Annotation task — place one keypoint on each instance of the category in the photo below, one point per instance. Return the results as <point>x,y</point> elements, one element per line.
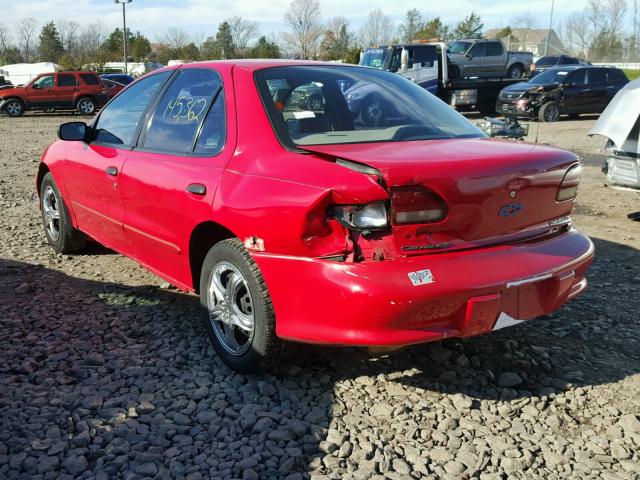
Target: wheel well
<point>18,99</point>
<point>203,237</point>
<point>42,171</point>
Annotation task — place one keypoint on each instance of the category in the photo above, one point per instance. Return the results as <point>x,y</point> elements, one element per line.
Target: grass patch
<point>632,74</point>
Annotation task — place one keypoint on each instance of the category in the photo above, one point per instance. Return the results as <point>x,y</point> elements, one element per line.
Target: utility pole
<point>546,47</point>
<point>124,31</point>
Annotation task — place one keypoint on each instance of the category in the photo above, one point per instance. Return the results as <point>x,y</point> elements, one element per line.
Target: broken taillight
<point>570,184</point>
<point>416,204</point>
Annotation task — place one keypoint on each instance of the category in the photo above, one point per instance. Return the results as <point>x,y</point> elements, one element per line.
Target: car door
<point>597,90</point>
<point>495,59</point>
<point>66,86</point>
<point>475,64</point>
<point>170,178</point>
<point>575,91</point>
<point>41,92</point>
<point>91,170</point>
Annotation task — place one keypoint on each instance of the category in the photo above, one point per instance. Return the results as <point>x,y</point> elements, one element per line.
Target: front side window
<point>66,80</point>
<point>118,121</point>
<point>330,105</point>
<point>478,50</point>
<point>44,82</point>
<point>459,47</point>
<point>182,110</point>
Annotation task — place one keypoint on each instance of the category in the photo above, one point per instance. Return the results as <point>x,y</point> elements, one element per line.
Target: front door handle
<point>113,171</point>
<point>197,189</point>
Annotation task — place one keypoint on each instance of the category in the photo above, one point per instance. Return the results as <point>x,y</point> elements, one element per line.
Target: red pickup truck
<point>83,91</point>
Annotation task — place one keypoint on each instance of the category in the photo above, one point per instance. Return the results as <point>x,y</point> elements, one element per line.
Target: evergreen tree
<point>470,27</point>
<point>139,47</point>
<point>49,46</point>
<point>264,49</point>
<point>224,42</point>
<point>412,23</point>
<point>433,29</point>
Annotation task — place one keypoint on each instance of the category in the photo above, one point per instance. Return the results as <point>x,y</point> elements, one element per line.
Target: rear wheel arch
<point>204,236</point>
<point>43,169</point>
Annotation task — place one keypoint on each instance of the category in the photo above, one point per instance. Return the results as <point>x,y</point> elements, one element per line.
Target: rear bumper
<point>376,304</point>
<point>623,172</point>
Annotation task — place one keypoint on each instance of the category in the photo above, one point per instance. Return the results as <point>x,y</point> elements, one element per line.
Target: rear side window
<point>494,49</point>
<point>67,80</point>
<point>546,61</point>
<point>214,129</point>
<point>597,75</point>
<point>568,61</point>
<point>119,120</point>
<point>616,76</point>
<point>181,111</point>
<point>89,79</point>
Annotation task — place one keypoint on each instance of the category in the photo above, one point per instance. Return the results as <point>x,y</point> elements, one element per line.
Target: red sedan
<point>318,203</point>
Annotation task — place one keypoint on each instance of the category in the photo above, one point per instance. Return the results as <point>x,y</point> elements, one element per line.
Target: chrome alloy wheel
<point>51,213</point>
<point>231,311</point>
<point>14,108</point>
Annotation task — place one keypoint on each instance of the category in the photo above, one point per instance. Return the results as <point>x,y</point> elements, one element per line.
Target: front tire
<point>241,321</point>
<point>549,112</point>
<point>61,235</point>
<point>86,106</point>
<point>14,107</point>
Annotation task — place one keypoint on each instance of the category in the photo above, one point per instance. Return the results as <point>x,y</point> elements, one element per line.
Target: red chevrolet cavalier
<point>318,203</point>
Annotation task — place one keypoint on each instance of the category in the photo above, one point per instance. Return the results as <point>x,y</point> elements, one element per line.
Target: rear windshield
<point>553,75</point>
<point>546,61</point>
<point>90,79</point>
<point>320,105</point>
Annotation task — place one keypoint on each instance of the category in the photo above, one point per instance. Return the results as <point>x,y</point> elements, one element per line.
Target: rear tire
<point>241,322</point>
<point>14,107</point>
<point>515,71</point>
<point>86,106</point>
<point>549,112</point>
<point>61,235</point>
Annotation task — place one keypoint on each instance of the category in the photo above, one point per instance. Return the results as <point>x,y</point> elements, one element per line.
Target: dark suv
<point>571,89</point>
<point>549,61</point>
<point>83,91</point>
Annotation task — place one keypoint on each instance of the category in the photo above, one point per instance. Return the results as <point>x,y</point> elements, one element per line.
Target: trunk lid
<point>496,191</point>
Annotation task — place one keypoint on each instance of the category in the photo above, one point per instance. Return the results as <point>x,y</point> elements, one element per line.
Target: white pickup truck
<point>486,59</point>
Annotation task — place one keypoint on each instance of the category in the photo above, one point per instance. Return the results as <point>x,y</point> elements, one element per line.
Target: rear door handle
<point>113,171</point>
<point>197,189</point>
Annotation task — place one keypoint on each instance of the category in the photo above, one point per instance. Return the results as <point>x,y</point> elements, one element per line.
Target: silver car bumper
<point>623,172</point>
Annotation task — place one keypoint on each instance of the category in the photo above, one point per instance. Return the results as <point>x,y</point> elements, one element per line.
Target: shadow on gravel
<point>121,381</point>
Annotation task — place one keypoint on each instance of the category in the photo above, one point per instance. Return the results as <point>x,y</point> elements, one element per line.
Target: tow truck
<point>428,65</point>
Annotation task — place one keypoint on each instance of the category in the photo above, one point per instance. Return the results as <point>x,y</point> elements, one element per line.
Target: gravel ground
<point>106,373</point>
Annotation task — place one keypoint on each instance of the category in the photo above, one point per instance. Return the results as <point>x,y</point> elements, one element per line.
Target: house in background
<point>532,40</point>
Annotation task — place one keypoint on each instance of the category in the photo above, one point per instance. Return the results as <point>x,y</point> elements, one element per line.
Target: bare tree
<point>242,31</point>
<point>303,20</point>
<point>594,17</point>
<point>90,42</point>
<point>27,37</point>
<point>580,32</point>
<point>377,29</point>
<point>175,38</point>
<point>613,12</point>
<point>69,32</point>
<point>5,38</point>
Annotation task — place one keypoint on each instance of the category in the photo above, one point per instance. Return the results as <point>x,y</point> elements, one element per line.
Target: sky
<point>153,17</point>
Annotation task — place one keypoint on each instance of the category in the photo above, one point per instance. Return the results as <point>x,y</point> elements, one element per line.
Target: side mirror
<point>35,86</point>
<point>468,55</point>
<point>73,131</point>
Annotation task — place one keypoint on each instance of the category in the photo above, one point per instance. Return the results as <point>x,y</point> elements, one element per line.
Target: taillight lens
<point>362,217</point>
<point>570,184</point>
<point>416,204</point>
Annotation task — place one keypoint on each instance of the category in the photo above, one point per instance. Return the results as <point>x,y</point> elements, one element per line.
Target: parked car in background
<point>121,78</point>
<point>571,90</point>
<point>311,225</point>
<point>4,83</point>
<point>546,62</point>
<point>83,91</point>
<point>113,87</point>
<point>487,58</point>
<point>620,125</point>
